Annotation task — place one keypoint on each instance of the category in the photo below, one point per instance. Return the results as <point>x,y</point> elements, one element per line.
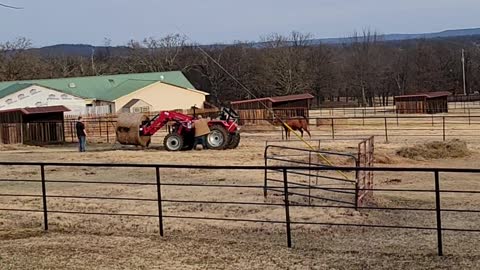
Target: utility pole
<point>93,62</point>
<point>463,69</point>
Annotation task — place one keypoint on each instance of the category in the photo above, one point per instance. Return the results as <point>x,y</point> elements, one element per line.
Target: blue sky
<point>48,22</point>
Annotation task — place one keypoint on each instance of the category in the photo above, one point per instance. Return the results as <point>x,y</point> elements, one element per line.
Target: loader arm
<point>161,119</point>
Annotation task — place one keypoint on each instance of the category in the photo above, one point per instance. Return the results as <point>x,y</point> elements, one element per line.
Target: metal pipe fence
<point>472,107</point>
<point>440,127</point>
<point>288,156</point>
<point>161,214</point>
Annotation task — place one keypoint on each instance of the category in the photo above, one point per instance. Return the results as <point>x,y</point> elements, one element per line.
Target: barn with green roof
<point>105,94</point>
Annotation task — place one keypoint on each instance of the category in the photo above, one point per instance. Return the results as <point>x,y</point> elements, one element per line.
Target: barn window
<point>33,91</point>
<point>145,109</point>
<point>9,101</point>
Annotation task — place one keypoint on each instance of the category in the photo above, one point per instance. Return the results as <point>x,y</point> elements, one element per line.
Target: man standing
<point>201,131</point>
<point>81,134</point>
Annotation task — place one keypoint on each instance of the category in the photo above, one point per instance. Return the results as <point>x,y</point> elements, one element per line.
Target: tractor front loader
<point>224,130</point>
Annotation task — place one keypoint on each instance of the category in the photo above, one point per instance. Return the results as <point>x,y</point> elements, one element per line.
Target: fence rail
<point>157,183</point>
<point>441,127</point>
<point>462,108</point>
<point>388,127</point>
<point>288,156</point>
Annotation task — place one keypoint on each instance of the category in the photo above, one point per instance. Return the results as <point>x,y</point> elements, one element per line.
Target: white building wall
<point>37,96</point>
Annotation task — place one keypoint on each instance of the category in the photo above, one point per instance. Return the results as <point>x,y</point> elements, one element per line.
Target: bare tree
<point>364,65</point>
<point>298,39</point>
<point>16,62</point>
<point>273,40</point>
<point>163,53</point>
<point>365,68</point>
<point>285,68</point>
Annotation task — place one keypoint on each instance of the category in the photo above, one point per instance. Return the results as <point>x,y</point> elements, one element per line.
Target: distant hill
<point>401,37</point>
<point>87,50</point>
<point>80,50</point>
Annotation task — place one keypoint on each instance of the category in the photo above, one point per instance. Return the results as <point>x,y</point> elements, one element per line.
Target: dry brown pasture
<point>105,242</point>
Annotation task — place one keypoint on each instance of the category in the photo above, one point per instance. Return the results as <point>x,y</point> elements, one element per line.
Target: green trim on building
<point>13,88</point>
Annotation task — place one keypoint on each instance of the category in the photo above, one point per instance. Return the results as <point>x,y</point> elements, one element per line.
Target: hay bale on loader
<point>128,129</point>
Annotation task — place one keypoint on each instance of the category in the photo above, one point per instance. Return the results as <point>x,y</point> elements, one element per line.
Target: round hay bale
<point>128,129</point>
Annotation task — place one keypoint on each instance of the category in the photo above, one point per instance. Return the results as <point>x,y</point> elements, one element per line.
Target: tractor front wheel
<point>218,138</point>
<point>173,142</point>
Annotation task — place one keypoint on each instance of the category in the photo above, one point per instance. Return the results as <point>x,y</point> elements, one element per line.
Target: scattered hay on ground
<point>14,147</point>
<point>435,150</point>
<point>383,158</point>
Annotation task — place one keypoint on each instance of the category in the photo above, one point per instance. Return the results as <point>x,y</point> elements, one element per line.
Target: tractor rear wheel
<point>234,141</point>
<point>188,141</point>
<point>218,138</point>
<point>173,142</point>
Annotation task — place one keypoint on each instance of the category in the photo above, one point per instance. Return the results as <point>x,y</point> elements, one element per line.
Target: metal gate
<point>333,187</point>
<point>366,159</point>
<point>349,187</point>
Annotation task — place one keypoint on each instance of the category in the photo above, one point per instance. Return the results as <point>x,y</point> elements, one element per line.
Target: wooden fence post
<point>438,213</point>
<point>333,129</point>
<point>386,130</point>
<point>287,208</point>
<point>443,121</point>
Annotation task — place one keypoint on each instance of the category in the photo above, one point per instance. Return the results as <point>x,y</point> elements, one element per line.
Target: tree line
<point>362,70</point>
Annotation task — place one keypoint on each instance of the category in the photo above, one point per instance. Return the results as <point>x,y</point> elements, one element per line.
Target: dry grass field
<point>106,242</point>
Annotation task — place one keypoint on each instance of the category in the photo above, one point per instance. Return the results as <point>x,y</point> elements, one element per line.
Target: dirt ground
<point>109,242</point>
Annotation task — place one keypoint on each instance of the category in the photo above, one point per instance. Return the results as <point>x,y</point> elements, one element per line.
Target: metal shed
<point>39,125</point>
<point>430,102</point>
<point>254,111</point>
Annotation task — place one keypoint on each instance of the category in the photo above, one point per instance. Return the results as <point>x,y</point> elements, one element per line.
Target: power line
<point>8,6</point>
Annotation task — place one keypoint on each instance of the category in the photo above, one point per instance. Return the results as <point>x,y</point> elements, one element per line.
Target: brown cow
<point>300,124</point>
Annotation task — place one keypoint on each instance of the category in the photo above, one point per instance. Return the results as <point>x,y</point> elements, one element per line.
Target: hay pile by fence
<point>435,150</point>
<point>384,158</point>
<point>128,129</point>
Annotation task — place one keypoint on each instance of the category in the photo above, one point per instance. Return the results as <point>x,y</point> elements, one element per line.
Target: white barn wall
<point>159,95</point>
<point>38,96</point>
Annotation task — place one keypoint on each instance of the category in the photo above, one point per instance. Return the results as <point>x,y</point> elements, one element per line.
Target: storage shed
<point>39,125</point>
<point>254,111</point>
<point>431,102</point>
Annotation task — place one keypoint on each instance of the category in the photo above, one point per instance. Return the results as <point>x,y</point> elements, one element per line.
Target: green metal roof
<point>124,88</point>
<point>108,87</point>
<point>13,88</point>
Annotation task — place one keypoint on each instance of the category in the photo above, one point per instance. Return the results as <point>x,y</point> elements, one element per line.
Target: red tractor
<point>224,130</point>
